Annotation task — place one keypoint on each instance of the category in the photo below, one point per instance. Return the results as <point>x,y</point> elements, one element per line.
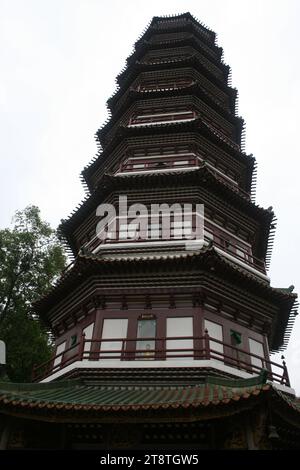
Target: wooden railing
<point>236,250</point>
<point>167,162</point>
<point>164,85</point>
<point>130,235</point>
<point>203,348</point>
<point>162,117</point>
<point>159,162</point>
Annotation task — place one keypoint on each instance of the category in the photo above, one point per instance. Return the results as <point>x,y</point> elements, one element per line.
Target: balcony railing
<point>160,59</point>
<point>160,118</point>
<point>173,161</point>
<point>134,234</point>
<point>159,162</point>
<point>236,250</point>
<point>199,348</point>
<point>164,85</point>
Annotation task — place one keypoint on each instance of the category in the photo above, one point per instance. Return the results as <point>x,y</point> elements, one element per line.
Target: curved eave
<point>212,397</point>
<point>194,90</point>
<point>284,322</point>
<point>66,401</point>
<point>177,401</point>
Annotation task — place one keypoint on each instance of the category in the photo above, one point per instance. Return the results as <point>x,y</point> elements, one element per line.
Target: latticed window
<point>167,58</point>
<point>164,84</point>
<point>169,37</point>
<point>170,22</point>
<point>162,150</point>
<point>159,162</point>
<point>167,55</point>
<point>157,116</point>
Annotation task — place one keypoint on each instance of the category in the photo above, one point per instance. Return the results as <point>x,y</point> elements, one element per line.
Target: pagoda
<point>164,341</point>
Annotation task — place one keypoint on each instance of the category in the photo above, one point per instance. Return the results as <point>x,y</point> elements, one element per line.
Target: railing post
<point>81,347</point>
<point>285,375</point>
<point>123,350</point>
<point>99,352</point>
<point>206,344</point>
<point>161,355</point>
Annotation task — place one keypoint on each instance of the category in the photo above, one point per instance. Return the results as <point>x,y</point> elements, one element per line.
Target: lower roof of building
<point>61,400</point>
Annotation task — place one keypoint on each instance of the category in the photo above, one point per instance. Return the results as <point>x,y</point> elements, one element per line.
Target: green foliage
<point>31,258</point>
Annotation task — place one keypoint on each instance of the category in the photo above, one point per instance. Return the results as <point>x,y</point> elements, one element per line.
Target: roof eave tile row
<point>65,398</point>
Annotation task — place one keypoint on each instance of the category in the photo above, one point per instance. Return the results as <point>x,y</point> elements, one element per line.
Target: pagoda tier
<point>168,138</point>
<point>168,43</point>
<point>244,224</point>
<point>172,109</point>
<point>174,75</point>
<point>147,59</point>
<point>173,136</point>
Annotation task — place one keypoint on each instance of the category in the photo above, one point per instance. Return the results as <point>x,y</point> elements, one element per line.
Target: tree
<point>31,258</point>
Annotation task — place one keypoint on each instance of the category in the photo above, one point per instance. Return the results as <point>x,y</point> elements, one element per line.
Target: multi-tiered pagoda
<point>165,342</point>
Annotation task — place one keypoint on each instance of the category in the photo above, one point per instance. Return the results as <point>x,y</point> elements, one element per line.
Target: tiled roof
<point>81,397</point>
<point>111,397</point>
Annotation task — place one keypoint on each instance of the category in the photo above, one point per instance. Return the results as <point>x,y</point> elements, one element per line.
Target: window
<point>129,231</point>
<point>235,338</point>
<point>181,228</point>
<point>256,348</point>
<point>167,84</point>
<point>240,253</point>
<point>73,340</point>
<point>158,161</point>
<point>239,357</point>
<point>146,329</point>
<point>114,329</point>
<point>160,116</point>
<point>138,165</point>
<point>215,331</point>
<point>227,244</point>
<point>88,332</point>
<point>167,56</point>
<point>59,350</point>
<point>180,327</point>
<point>155,231</point>
<point>181,162</point>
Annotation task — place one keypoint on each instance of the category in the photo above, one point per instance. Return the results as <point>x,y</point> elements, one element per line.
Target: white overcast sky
<point>58,63</point>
